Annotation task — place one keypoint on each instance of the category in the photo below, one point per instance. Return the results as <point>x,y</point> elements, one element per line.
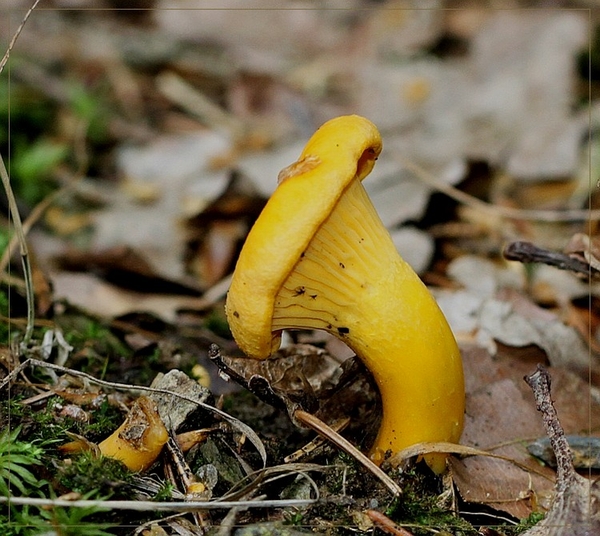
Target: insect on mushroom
<point>319,232</point>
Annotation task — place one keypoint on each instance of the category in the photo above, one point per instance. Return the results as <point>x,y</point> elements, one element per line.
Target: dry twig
<point>574,510</point>
<point>496,210</point>
<point>526,252</point>
<point>325,431</point>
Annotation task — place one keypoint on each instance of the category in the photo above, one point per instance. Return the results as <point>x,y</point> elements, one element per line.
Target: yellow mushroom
<point>141,437</point>
<point>319,257</point>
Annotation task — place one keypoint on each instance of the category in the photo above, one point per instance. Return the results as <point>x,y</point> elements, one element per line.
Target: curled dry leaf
<point>302,376</point>
<point>386,524</point>
<point>586,249</point>
<point>187,440</point>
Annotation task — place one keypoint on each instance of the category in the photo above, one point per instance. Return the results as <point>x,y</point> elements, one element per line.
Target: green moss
<point>87,333</point>
<point>103,420</point>
<point>98,348</point>
<point>347,477</point>
<point>50,427</point>
<point>37,425</point>
<point>165,492</point>
<point>419,506</point>
<point>88,473</point>
<point>525,524</point>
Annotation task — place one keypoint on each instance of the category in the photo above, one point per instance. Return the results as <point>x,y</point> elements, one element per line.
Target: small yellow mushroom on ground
<point>319,257</point>
<point>140,439</point>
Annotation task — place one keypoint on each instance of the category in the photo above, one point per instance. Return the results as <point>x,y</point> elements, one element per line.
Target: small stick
<point>385,524</point>
<point>564,215</point>
<point>16,36</point>
<point>12,204</point>
<point>328,433</point>
<point>527,252</point>
<point>539,382</point>
<point>16,217</point>
<point>574,510</point>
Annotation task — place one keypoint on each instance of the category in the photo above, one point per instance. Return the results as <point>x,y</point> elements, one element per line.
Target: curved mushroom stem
<point>319,257</point>
<point>351,282</point>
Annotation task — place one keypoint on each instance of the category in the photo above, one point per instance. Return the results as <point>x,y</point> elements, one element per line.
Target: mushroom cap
<point>341,150</point>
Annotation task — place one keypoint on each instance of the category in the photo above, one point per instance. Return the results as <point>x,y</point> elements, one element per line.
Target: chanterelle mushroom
<point>319,257</point>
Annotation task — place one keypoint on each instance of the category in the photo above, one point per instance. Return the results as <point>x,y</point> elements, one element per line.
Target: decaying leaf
<point>301,376</point>
<point>489,314</point>
<point>575,508</point>
<point>498,419</point>
<point>586,249</point>
<point>501,420</point>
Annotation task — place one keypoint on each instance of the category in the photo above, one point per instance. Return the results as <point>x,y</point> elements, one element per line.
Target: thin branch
<point>16,217</point>
<point>148,506</point>
<point>33,217</point>
<point>6,56</point>
<point>539,382</point>
<point>12,204</point>
<point>505,212</point>
<point>328,433</point>
<point>574,510</point>
<point>526,252</point>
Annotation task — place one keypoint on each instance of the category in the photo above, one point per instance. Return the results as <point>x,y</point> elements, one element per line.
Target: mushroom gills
<point>337,268</point>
